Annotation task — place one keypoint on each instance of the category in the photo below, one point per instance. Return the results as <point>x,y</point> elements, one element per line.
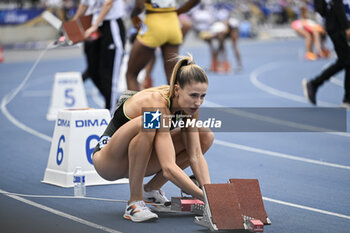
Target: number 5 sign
<point>68,92</point>
<point>75,136</point>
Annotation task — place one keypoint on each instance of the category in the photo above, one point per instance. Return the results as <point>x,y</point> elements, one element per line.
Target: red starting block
<point>254,225</point>
<point>62,39</point>
<point>184,203</point>
<point>236,205</point>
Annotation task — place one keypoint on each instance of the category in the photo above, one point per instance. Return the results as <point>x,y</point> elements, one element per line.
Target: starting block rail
<point>234,206</point>
<point>183,205</point>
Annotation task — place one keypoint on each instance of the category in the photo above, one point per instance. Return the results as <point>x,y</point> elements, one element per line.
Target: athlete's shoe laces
<point>155,196</point>
<point>137,211</point>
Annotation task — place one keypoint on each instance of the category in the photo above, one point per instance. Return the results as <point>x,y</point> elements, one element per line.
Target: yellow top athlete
<point>161,28</point>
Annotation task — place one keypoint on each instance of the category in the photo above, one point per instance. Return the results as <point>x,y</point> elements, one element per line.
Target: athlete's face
<point>191,96</point>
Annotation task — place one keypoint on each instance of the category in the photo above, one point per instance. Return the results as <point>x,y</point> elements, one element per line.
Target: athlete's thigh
<point>154,164</point>
<point>169,53</point>
<point>177,140</point>
<point>139,56</point>
<point>112,161</point>
<point>234,35</point>
<point>303,33</point>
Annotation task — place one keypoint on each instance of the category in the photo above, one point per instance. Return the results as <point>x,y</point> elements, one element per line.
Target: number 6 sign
<point>75,136</point>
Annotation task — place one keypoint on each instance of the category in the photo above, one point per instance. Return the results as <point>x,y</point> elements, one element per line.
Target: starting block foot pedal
<point>253,225</point>
<point>179,205</point>
<point>185,204</point>
<point>233,206</point>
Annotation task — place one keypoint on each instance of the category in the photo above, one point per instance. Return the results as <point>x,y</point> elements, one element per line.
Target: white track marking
<point>61,197</point>
<point>60,213</point>
<point>275,121</point>
<point>270,66</point>
<point>8,98</point>
<point>238,112</point>
<point>307,208</point>
<point>20,124</point>
<point>18,197</point>
<point>277,154</point>
<point>337,82</point>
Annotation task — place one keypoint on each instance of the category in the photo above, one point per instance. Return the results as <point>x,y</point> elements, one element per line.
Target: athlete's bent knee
<point>207,139</point>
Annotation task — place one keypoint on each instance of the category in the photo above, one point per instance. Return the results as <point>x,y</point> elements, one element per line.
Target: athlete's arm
<point>165,151</point>
<point>138,8</point>
<point>107,5</point>
<point>198,163</point>
<point>80,12</point>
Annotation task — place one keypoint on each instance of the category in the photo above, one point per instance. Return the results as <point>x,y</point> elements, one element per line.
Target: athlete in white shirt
<point>108,49</point>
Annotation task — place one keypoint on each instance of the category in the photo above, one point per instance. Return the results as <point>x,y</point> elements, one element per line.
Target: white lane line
<point>307,208</point>
<point>276,121</point>
<point>337,82</point>
<point>20,125</point>
<point>12,94</point>
<point>270,66</point>
<point>279,155</point>
<point>8,98</point>
<point>60,213</point>
<point>18,196</point>
<point>82,221</point>
<point>61,197</point>
<point>273,120</point>
<point>220,142</point>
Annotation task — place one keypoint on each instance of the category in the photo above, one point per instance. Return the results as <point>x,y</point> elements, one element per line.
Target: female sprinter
<point>313,33</point>
<point>126,150</point>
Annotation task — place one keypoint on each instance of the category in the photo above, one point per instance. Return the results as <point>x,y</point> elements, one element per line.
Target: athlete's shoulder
<point>151,99</point>
<point>158,99</point>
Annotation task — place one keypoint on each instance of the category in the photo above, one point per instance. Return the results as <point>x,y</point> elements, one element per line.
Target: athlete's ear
<point>176,90</point>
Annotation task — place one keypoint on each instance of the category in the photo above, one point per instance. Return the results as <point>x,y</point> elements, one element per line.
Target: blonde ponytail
<point>185,71</point>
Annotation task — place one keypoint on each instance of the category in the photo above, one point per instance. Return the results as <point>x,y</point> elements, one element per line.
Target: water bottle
<point>79,182</point>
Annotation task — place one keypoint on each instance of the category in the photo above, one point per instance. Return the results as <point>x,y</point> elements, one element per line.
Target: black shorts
<point>116,122</point>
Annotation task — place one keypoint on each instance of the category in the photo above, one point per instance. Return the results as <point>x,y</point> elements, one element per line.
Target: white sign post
<point>68,93</point>
<point>76,133</point>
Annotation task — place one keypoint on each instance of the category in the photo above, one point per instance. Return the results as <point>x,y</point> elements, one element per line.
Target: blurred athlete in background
<point>161,28</point>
